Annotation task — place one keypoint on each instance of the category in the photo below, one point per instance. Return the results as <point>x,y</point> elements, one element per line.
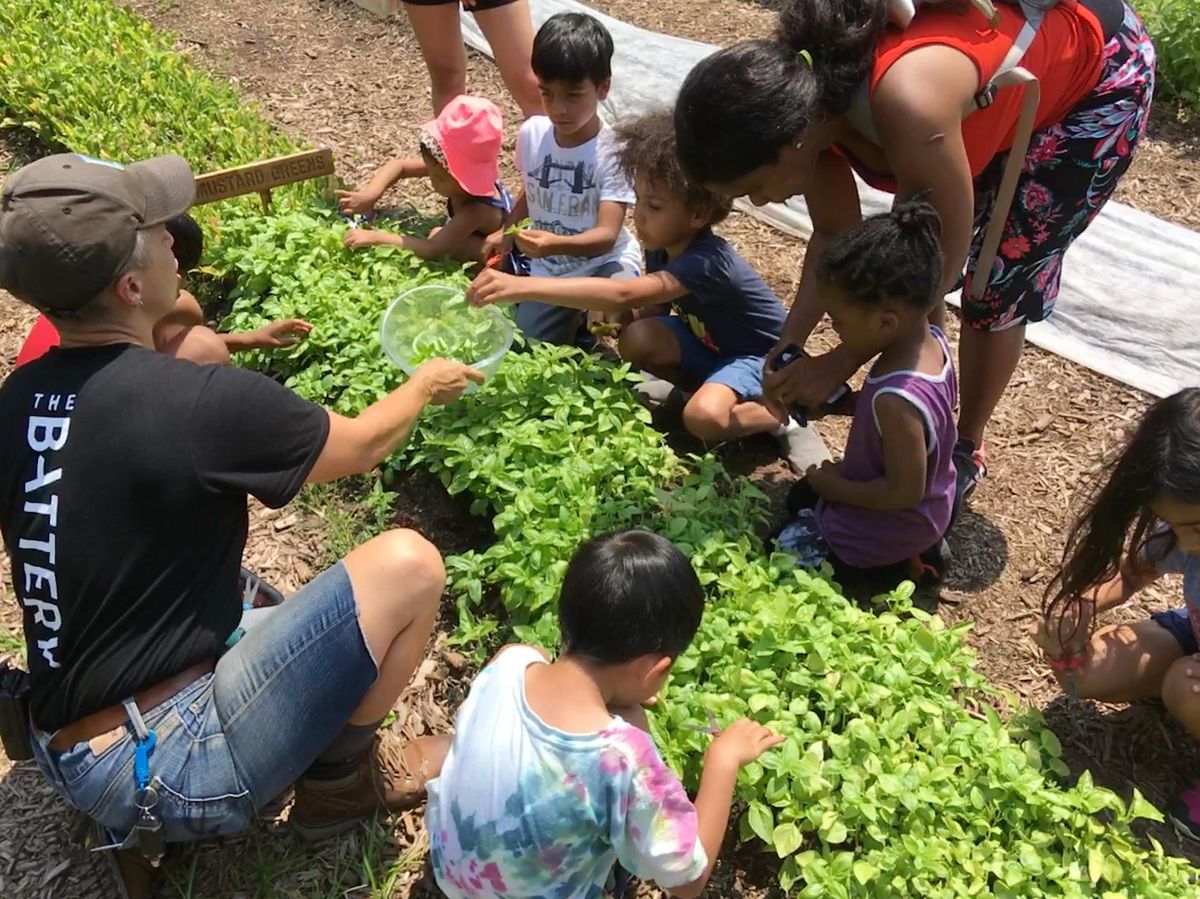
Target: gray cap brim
<point>169,187</point>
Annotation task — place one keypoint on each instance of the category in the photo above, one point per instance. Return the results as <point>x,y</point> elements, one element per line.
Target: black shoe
<point>932,564</point>
<point>969,469</point>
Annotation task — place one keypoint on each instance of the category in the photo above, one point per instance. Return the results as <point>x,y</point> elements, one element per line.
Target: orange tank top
<point>1066,56</point>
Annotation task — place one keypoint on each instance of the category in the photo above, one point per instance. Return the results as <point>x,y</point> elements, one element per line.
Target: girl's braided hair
<point>1161,459</point>
<point>894,256</point>
<point>646,146</point>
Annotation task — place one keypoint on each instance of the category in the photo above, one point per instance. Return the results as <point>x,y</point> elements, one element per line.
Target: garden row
<point>897,779</point>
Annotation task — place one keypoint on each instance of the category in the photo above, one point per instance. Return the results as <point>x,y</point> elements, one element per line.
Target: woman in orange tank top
<point>776,118</point>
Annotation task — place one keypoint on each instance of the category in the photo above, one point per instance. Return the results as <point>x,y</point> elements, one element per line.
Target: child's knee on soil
<point>706,414</point>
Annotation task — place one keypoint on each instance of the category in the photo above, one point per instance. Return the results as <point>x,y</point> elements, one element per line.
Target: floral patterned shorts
<point>1071,169</point>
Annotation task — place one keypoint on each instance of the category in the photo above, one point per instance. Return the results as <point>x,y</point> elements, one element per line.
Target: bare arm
<point>904,463</point>
<point>594,241</point>
<point>364,199</point>
<point>834,207</point>
<point>921,129</point>
<point>356,445</point>
<point>739,744</point>
<point>713,802</point>
<point>599,294</point>
<point>451,239</point>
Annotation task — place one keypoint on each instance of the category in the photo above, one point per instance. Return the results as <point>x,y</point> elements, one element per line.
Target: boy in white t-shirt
<point>573,189</point>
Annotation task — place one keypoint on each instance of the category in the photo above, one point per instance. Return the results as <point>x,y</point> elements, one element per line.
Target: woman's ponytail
<point>839,37</point>
<point>739,107</point>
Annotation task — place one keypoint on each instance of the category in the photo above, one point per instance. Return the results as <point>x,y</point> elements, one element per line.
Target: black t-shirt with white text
<point>123,482</point>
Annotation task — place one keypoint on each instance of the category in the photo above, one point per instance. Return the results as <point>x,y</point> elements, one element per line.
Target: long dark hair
<point>1161,459</point>
<point>895,255</point>
<point>739,107</point>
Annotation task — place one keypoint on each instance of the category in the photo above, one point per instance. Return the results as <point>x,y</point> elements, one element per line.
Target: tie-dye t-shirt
<point>524,810</point>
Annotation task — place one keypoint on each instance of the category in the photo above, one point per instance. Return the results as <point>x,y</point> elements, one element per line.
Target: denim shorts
<point>1180,625</point>
<point>234,739</point>
<point>699,364</point>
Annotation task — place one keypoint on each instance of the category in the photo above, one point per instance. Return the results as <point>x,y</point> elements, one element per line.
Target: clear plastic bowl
<point>414,310</point>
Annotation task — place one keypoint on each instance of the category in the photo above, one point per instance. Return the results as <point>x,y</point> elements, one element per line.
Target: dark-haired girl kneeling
<point>879,516</point>
<point>1142,523</point>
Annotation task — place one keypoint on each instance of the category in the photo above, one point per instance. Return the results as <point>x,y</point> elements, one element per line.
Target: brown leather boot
<point>391,778</point>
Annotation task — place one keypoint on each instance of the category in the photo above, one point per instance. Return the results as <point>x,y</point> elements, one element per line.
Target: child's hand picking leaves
<point>356,202</point>
<point>362,237</point>
<point>284,333</point>
<point>492,286</point>
<point>498,243</point>
<point>741,743</point>
<point>536,244</point>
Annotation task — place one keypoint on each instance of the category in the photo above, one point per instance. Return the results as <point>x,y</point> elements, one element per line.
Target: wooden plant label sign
<point>260,177</point>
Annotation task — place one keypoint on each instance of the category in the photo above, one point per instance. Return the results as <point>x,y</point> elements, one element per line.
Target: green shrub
<point>896,781</point>
<point>1174,25</point>
<point>890,785</point>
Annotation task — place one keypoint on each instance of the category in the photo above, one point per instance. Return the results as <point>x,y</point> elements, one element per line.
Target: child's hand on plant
<point>741,743</point>
<point>491,286</point>
<point>498,243</point>
<point>356,202</point>
<point>362,237</point>
<point>284,333</point>
<point>444,380</point>
<point>535,244</point>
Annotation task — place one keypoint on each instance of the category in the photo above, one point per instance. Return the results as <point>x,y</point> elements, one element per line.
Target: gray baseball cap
<point>69,223</point>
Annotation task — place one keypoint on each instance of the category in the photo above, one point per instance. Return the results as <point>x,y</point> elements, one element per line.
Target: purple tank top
<point>866,538</point>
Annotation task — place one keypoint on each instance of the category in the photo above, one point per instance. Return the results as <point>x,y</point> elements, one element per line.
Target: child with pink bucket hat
<point>460,153</point>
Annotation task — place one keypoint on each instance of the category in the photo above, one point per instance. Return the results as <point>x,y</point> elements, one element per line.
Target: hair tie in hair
<point>806,56</point>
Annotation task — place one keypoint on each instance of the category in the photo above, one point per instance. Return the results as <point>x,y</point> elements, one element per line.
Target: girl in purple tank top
<point>880,514</point>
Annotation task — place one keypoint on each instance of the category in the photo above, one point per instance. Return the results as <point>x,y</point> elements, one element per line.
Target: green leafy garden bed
<point>898,780</point>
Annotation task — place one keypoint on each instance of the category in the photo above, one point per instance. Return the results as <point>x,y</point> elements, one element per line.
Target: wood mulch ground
<point>330,73</point>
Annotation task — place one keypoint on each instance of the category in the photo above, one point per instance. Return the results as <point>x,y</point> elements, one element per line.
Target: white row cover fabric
<point>1129,307</point>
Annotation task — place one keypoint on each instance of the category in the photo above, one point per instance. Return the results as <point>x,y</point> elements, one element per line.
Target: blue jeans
<point>233,740</point>
<point>557,324</point>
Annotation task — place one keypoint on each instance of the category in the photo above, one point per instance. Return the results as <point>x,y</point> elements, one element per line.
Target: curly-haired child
<point>725,318</point>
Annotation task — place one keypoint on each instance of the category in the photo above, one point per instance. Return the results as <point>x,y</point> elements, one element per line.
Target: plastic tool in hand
<point>354,221</point>
<point>1069,664</point>
<point>712,728</point>
<point>790,354</point>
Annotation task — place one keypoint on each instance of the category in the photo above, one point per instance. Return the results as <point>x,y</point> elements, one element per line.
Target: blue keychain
<point>148,830</point>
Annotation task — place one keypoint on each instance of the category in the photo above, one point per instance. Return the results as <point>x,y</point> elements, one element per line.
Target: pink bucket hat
<point>469,131</point>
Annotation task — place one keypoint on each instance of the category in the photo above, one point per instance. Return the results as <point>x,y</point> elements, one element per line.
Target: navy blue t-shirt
<point>729,307</point>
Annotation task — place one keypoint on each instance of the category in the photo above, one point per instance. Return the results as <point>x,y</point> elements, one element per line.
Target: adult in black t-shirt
<point>124,476</point>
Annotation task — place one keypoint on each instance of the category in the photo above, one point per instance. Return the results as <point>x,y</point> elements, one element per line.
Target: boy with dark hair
<point>552,779</point>
<point>726,317</point>
<point>574,191</point>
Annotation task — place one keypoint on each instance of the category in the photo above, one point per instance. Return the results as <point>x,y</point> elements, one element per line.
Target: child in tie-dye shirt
<point>552,779</point>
